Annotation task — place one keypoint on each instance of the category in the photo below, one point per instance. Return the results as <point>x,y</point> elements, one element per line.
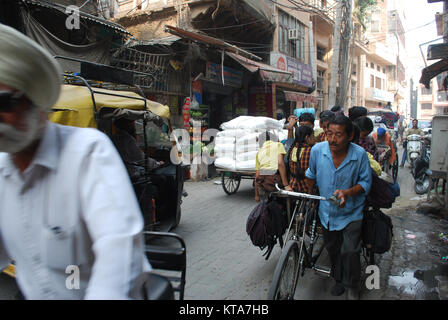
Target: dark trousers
<point>344,247</point>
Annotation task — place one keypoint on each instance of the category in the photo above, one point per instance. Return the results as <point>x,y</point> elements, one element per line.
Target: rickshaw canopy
<point>75,106</point>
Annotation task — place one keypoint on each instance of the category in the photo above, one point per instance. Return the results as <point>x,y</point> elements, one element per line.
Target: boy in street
<point>344,172</point>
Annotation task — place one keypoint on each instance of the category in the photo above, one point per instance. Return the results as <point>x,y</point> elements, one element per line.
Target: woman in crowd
<point>365,126</point>
<point>299,158</point>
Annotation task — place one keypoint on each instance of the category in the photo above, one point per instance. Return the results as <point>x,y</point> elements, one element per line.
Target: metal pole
<point>335,59</point>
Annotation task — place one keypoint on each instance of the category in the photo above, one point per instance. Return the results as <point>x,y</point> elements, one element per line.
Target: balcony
<point>327,9</point>
<point>381,53</point>
<point>374,94</point>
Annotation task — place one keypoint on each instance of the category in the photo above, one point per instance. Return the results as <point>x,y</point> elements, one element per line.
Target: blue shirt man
<point>341,169</point>
<point>354,169</point>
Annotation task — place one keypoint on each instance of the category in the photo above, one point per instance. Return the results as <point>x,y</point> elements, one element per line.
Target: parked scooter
<point>414,148</point>
<point>420,169</point>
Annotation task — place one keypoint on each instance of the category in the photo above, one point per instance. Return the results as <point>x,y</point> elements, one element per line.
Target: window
<point>372,81</point>
<point>375,26</point>
<point>426,91</point>
<point>378,68</point>
<point>384,70</point>
<point>372,65</point>
<point>292,47</point>
<point>320,53</point>
<point>427,106</point>
<point>374,21</point>
<point>378,83</point>
<point>367,64</point>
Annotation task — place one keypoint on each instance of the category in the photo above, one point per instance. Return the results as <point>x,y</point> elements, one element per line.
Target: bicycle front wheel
<point>284,282</point>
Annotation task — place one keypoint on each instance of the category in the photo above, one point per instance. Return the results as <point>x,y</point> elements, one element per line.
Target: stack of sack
<point>236,146</point>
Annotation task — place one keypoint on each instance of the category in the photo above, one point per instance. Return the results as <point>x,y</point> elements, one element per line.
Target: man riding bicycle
<point>344,172</point>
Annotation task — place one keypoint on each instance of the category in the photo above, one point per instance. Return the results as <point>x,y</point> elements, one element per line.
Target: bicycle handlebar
<point>333,199</point>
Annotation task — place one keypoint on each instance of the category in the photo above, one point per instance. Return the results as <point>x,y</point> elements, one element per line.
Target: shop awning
<point>300,97</point>
<point>207,40</point>
<point>83,15</point>
<point>433,70</point>
<point>267,72</point>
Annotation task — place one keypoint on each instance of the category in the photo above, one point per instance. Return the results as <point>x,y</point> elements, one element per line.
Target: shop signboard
<point>302,73</point>
<point>232,77</point>
<point>382,95</point>
<point>260,101</point>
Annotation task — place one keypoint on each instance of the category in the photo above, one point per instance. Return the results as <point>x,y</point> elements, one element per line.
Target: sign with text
<point>232,77</point>
<point>302,73</point>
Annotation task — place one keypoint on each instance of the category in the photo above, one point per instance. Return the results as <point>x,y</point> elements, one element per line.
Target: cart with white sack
<point>236,148</point>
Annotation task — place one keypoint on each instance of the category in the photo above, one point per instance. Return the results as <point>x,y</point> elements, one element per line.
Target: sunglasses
<point>9,99</point>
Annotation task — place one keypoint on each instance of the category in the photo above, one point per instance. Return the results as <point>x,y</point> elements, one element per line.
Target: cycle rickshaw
<point>303,245</point>
<point>386,119</point>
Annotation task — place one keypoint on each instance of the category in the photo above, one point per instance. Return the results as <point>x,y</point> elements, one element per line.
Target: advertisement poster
<point>302,73</point>
<point>196,88</point>
<point>232,77</point>
<point>260,101</point>
<point>186,113</point>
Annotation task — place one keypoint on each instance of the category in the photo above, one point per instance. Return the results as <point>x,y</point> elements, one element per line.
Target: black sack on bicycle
<point>377,231</point>
<point>266,223</point>
<point>381,194</point>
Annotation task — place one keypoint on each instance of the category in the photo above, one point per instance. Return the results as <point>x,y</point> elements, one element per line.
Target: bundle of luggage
<point>236,146</point>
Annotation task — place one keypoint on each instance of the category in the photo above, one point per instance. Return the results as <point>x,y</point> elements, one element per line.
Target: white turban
<point>26,66</point>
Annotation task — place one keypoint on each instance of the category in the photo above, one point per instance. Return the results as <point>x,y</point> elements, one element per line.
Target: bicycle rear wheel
<point>284,282</point>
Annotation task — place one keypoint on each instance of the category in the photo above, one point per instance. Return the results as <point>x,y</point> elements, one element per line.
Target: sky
<point>419,13</point>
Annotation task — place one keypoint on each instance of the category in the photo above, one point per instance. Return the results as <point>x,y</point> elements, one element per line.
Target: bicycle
<point>297,255</point>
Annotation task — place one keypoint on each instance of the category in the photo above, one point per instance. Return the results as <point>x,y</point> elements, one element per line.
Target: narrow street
<point>223,264</point>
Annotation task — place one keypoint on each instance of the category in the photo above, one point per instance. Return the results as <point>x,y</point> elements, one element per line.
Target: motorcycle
<point>414,148</point>
<point>420,169</point>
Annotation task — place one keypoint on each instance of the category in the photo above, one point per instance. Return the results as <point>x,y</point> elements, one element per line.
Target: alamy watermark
<point>72,282</point>
<point>72,21</point>
<point>373,280</point>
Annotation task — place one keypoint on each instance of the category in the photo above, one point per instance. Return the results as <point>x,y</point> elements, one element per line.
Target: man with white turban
<point>69,217</point>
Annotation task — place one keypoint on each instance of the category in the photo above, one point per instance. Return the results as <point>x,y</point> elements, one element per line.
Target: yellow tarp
<point>76,105</point>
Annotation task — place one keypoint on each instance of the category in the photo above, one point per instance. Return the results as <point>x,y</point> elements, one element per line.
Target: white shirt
<point>77,183</point>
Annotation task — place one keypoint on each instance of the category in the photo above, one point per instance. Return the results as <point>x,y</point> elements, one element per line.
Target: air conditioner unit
<point>293,34</point>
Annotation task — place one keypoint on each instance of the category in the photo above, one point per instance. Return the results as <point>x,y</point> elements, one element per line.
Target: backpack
<point>377,231</point>
<point>266,224</point>
<point>382,194</point>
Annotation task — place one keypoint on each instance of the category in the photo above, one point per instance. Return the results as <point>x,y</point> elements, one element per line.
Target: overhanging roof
<point>267,72</point>
<point>433,70</point>
<point>83,15</point>
<point>207,40</point>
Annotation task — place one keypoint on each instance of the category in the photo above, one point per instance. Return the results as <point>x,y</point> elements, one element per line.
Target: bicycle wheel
<point>284,282</point>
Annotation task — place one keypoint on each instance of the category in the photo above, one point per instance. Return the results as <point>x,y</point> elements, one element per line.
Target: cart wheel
<point>395,169</point>
<point>230,182</point>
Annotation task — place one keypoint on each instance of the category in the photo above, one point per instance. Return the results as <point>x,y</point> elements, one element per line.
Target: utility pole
<point>335,60</point>
<point>345,75</point>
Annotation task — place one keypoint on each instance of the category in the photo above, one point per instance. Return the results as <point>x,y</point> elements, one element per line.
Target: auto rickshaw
<point>159,191</point>
<point>84,103</point>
